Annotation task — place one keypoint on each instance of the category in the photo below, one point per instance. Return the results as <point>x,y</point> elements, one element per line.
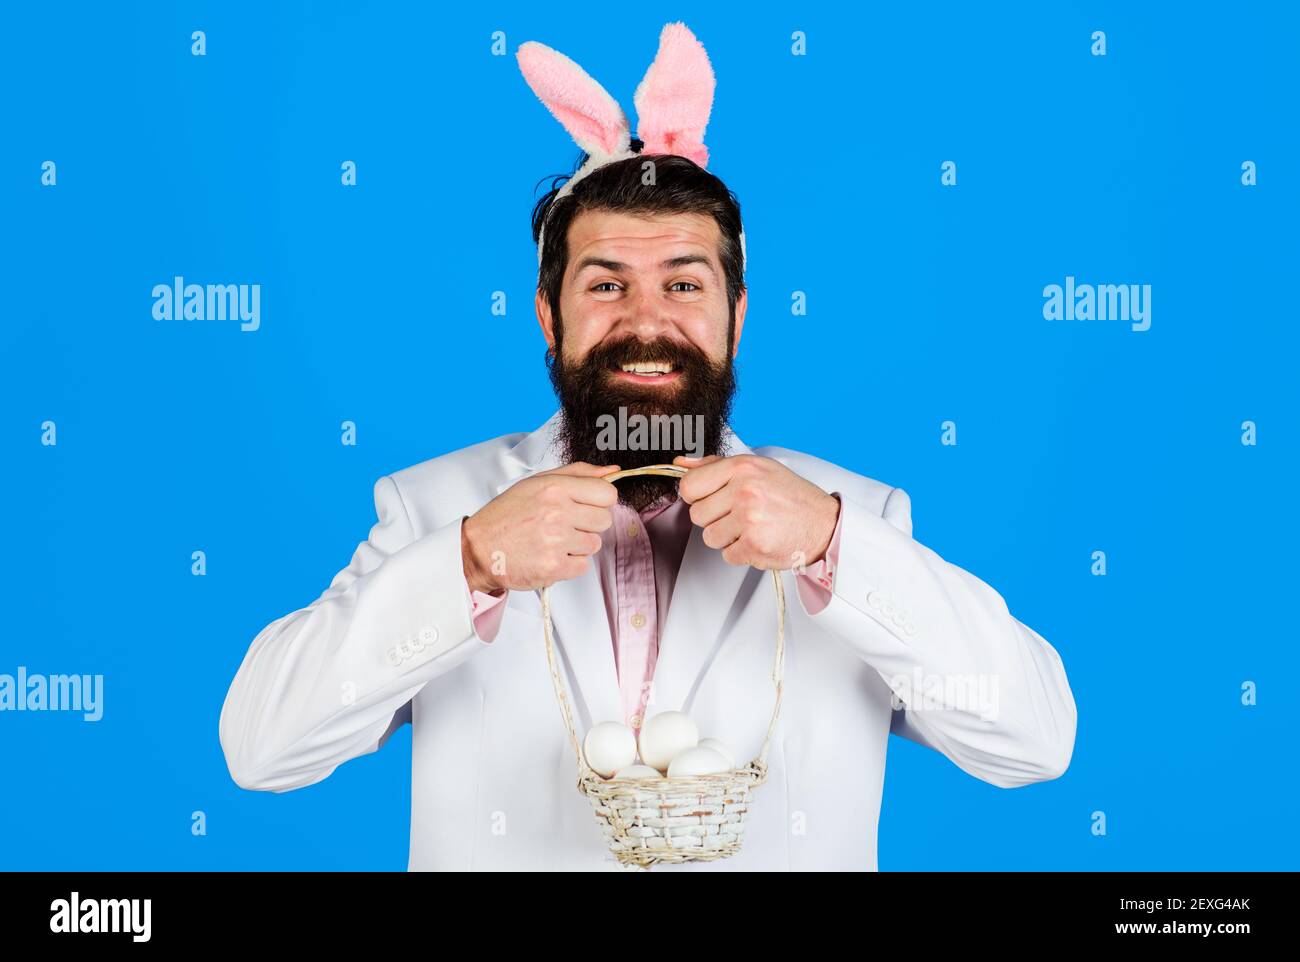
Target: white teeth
<point>648,367</point>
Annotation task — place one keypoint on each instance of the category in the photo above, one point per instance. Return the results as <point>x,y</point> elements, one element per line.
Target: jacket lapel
<point>584,646</point>
<point>707,595</point>
<point>535,452</point>
<point>705,598</point>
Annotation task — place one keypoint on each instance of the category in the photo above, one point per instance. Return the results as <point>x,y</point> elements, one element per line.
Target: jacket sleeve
<point>969,680</point>
<point>333,680</point>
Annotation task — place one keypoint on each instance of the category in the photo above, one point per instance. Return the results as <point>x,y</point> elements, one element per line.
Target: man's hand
<point>540,530</point>
<point>758,512</point>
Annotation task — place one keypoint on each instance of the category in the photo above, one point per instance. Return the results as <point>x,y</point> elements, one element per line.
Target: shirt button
<point>638,620</point>
<point>633,530</point>
<point>635,721</point>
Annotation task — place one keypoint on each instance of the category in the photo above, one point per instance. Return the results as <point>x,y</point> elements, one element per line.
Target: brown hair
<point>680,186</point>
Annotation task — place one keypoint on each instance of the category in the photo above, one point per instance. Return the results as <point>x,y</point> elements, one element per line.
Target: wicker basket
<point>646,821</point>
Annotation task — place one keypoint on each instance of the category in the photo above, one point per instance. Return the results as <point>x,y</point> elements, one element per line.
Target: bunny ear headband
<point>672,101</point>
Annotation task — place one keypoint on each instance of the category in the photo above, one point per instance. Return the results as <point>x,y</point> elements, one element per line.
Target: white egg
<point>722,748</point>
<point>666,734</point>
<point>638,771</point>
<point>608,747</point>
<point>698,761</point>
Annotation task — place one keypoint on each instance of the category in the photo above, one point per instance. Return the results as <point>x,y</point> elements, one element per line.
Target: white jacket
<point>494,775</point>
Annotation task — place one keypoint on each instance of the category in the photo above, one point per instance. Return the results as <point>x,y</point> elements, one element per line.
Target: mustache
<point>632,350</point>
<point>588,390</point>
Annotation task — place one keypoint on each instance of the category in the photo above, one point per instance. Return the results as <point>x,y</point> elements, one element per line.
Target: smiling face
<point>643,278</point>
<point>644,324</point>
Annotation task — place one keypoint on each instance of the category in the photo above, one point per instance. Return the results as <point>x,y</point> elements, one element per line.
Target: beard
<point>591,395</point>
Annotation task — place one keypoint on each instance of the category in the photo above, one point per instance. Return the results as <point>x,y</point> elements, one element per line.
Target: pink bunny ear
<point>675,97</point>
<point>591,116</point>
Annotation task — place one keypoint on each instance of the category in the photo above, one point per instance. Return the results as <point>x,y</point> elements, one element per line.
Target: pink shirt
<point>638,561</point>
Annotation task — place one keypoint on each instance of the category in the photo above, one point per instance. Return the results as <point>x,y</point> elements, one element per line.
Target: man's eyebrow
<point>618,267</point>
<point>675,262</point>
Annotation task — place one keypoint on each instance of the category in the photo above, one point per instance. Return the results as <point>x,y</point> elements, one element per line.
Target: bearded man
<point>657,587</point>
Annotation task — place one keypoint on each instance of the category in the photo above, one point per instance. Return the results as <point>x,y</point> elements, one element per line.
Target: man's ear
<point>741,303</point>
<point>543,308</point>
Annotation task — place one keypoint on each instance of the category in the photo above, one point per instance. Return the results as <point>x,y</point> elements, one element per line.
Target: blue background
<point>924,304</point>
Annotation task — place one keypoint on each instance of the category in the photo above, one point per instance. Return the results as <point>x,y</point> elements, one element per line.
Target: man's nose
<point>649,314</point>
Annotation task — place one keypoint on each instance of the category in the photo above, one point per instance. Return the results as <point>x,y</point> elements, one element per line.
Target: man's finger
<point>587,517</point>
<point>722,534</point>
<point>686,461</point>
<point>583,543</point>
<point>705,511</point>
<point>602,494</point>
<point>700,482</point>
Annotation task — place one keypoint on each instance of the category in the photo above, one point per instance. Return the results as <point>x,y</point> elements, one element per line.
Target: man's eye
<point>605,284</point>
<point>688,284</point>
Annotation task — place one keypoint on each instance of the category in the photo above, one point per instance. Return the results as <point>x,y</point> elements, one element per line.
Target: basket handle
<point>778,664</point>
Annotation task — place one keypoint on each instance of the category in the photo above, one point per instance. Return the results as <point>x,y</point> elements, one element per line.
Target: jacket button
<point>429,635</point>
